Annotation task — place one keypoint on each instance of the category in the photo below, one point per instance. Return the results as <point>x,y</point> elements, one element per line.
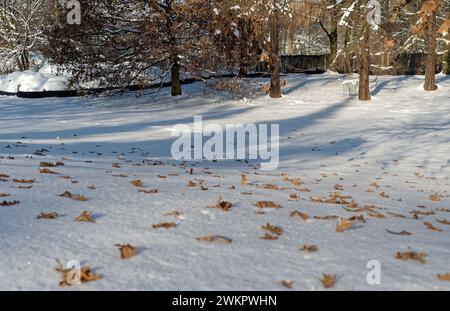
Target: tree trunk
<point>333,40</point>
<point>175,78</point>
<point>364,65</point>
<point>430,69</point>
<point>275,87</point>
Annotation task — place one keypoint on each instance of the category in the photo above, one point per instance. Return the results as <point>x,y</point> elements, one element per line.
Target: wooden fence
<point>385,64</point>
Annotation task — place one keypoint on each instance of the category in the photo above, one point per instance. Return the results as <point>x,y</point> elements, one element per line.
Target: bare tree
<point>22,24</point>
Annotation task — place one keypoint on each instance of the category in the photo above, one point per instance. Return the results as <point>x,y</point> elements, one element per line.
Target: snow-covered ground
<point>46,78</point>
<point>390,154</point>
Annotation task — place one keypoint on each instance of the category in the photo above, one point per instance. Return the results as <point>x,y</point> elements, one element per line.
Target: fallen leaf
<point>191,184</point>
<point>52,215</point>
<point>384,195</point>
<point>344,224</point>
<point>215,239</point>
<point>430,226</point>
<point>335,198</point>
<point>272,228</point>
<point>85,216</point>
<point>375,215</point>
<point>149,191</point>
<point>76,197</point>
<point>339,187</point>
<point>294,196</point>
<point>287,284</point>
<point>267,204</point>
<point>399,233</point>
<point>174,213</point>
<point>411,256</point>
<point>328,280</point>
<point>73,276</point>
<point>137,183</point>
<point>436,197</point>
<point>268,236</point>
<point>300,214</point>
<point>165,225</point>
<point>444,277</point>
<point>127,250</point>
<point>223,205</point>
<point>309,248</point>
<point>271,186</point>
<point>25,187</point>
<point>244,180</point>
<point>47,171</point>
<point>9,203</point>
<point>294,181</point>
<point>24,181</point>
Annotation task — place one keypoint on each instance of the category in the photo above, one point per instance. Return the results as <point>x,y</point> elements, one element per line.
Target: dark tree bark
<point>333,41</point>
<point>175,78</point>
<point>332,36</point>
<point>275,66</point>
<point>364,65</point>
<point>430,69</point>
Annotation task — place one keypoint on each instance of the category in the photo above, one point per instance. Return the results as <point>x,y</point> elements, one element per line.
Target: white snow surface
<point>398,143</point>
<point>46,79</point>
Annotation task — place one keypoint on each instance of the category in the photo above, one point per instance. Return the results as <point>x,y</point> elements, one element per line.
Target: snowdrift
<point>46,79</point>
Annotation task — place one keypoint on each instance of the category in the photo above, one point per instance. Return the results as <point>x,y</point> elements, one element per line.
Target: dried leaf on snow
<point>127,250</point>
<point>74,276</point>
<point>174,213</point>
<point>430,226</point>
<point>9,203</point>
<point>267,204</point>
<point>137,183</point>
<point>165,225</point>
<point>85,216</point>
<point>268,236</point>
<point>444,277</point>
<point>47,171</point>
<point>244,180</point>
<point>149,191</point>
<point>300,214</point>
<point>215,239</point>
<point>309,248</point>
<point>223,205</point>
<point>399,233</point>
<point>436,197</point>
<point>51,215</point>
<point>273,229</point>
<point>24,181</point>
<point>344,224</point>
<point>328,280</point>
<point>76,197</point>
<point>419,257</point>
<point>287,284</point>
